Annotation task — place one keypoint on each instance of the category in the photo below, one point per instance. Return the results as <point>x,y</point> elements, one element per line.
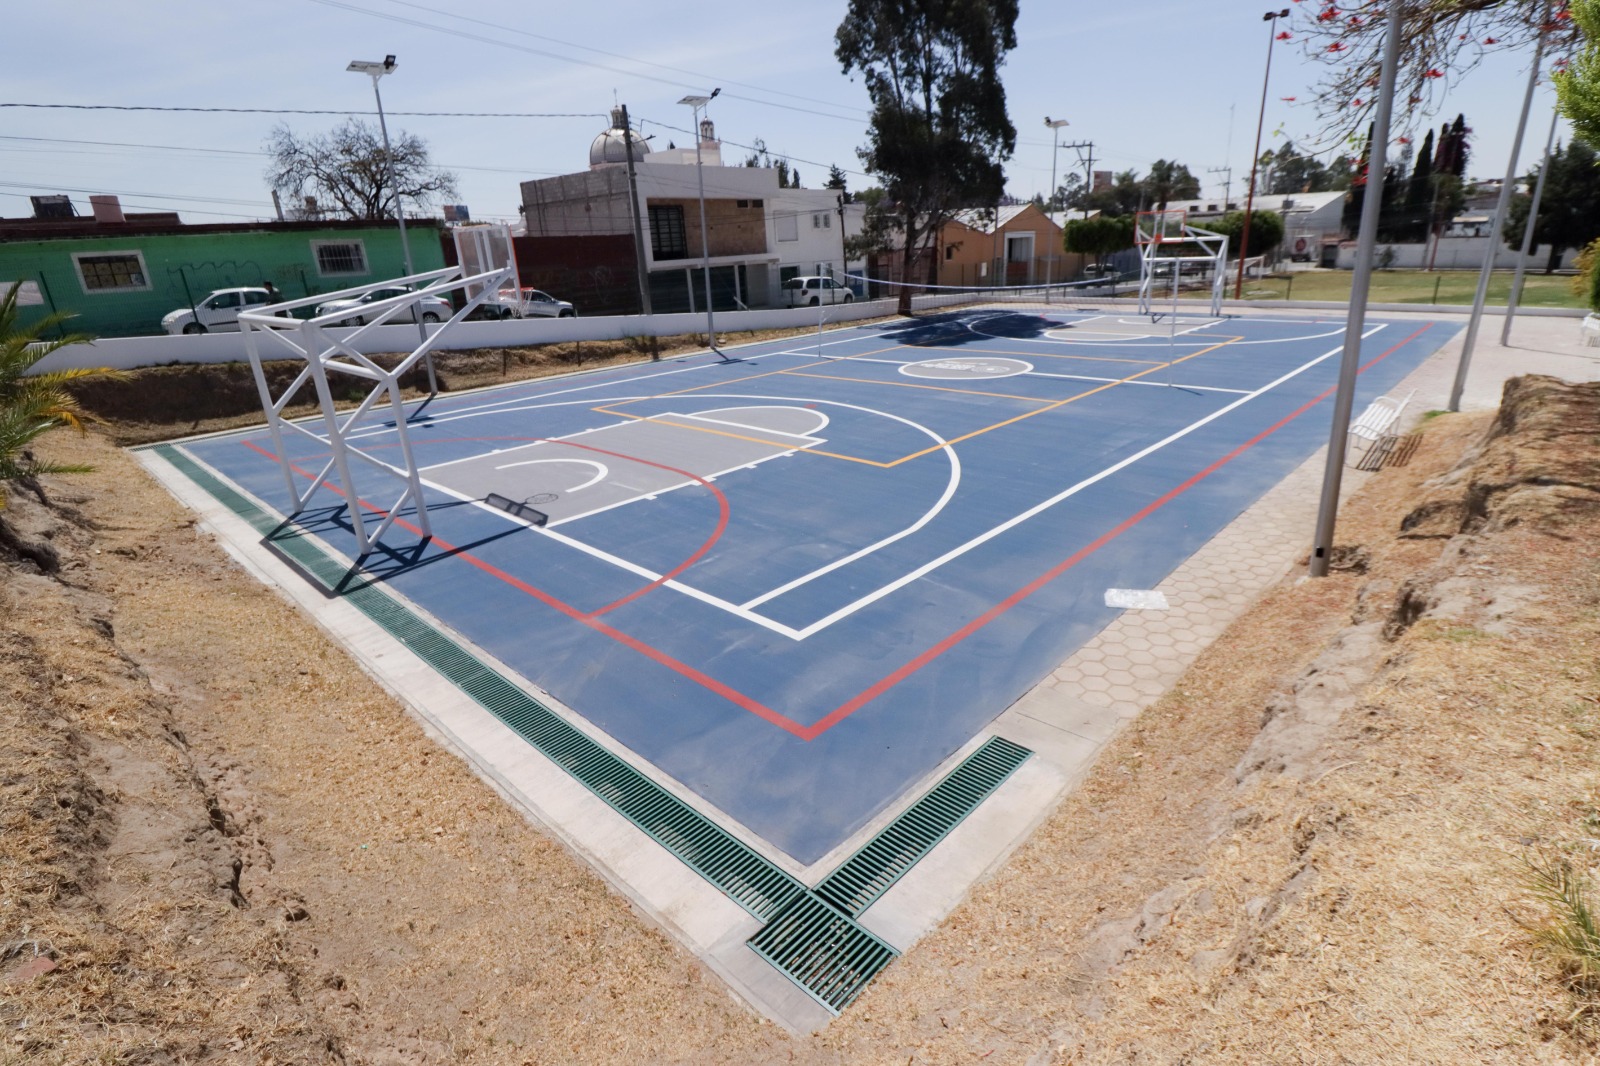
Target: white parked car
<point>811,291</point>
<point>433,308</point>
<point>217,313</point>
<point>529,303</point>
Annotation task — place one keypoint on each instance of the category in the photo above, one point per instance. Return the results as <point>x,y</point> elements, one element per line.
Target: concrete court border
<point>1066,719</point>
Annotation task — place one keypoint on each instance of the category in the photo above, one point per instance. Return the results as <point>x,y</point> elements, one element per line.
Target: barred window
<point>667,237</point>
<point>109,273</point>
<point>340,257</point>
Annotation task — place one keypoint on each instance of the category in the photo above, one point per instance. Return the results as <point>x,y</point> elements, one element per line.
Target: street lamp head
<point>1270,15</point>
<point>1057,123</point>
<point>695,101</point>
<point>372,66</point>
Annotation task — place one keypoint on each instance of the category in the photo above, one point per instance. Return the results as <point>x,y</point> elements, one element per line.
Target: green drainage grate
<point>810,937</point>
<point>747,878</point>
<point>822,951</point>
<point>885,858</point>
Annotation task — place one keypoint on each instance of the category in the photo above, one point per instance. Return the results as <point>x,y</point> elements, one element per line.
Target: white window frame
<point>316,257</point>
<point>788,227</point>
<point>83,283</point>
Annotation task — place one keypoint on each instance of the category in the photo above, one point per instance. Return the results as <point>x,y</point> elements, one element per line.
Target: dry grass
<point>1368,905</point>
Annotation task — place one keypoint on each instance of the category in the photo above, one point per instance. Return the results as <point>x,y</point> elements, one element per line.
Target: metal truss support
<point>328,353</point>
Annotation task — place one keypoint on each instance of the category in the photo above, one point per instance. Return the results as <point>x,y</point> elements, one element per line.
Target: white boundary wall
<point>125,353</point>
<point>1457,253</point>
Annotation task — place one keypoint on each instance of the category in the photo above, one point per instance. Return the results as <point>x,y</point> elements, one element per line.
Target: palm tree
<point>33,404</point>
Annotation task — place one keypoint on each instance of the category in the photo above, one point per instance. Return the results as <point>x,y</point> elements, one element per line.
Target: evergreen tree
<point>939,132</point>
<point>836,181</point>
<point>1569,210</point>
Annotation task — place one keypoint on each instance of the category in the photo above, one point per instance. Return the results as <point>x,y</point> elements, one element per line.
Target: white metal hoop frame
<point>274,329</point>
<point>1152,230</point>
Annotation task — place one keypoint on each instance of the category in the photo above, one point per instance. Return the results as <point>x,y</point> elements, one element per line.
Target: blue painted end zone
<point>796,583</point>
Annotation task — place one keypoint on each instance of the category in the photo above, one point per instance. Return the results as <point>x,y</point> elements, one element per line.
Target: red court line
<point>727,692</point>
<point>878,688</point>
<point>884,684</point>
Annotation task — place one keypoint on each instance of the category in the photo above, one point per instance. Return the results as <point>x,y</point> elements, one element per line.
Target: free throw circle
<point>966,368</point>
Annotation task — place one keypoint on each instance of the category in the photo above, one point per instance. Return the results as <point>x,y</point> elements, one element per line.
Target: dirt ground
<point>223,843</point>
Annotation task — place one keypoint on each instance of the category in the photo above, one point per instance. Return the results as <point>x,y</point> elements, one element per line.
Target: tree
<point>1125,196</point>
<point>878,225</point>
<point>1578,87</point>
<point>1292,172</point>
<point>1099,236</point>
<point>836,182</point>
<point>348,167</point>
<point>1569,210</point>
<point>938,134</point>
<point>1439,38</point>
<point>30,406</point>
<point>1266,231</point>
<point>1171,180</point>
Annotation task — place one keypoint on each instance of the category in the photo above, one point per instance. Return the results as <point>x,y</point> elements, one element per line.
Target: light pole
<point>1271,19</point>
<point>1055,139</point>
<point>697,102</point>
<point>376,71</point>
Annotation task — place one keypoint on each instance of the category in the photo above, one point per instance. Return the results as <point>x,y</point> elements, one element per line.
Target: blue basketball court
<point>798,581</point>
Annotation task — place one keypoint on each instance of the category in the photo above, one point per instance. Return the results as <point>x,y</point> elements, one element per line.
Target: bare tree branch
<point>1441,40</point>
<point>347,166</point>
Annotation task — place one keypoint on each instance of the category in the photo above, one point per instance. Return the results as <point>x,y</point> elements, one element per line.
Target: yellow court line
<point>911,385</point>
<point>1051,405</point>
<point>788,446</point>
<point>1060,403</point>
<point>1054,355</point>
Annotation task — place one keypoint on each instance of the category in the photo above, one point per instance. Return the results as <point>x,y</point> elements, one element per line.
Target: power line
<point>618,55</point>
<point>310,111</point>
<point>244,152</point>
<point>500,43</point>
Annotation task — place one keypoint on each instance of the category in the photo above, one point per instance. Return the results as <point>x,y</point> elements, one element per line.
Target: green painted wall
<point>206,261</point>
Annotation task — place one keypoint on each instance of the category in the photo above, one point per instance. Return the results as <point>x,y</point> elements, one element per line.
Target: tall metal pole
<point>1482,295</point>
<point>394,183</point>
<point>641,264</point>
<point>1054,126</point>
<point>697,102</point>
<point>405,242</point>
<point>1271,19</point>
<point>1356,321</point>
<point>1527,232</point>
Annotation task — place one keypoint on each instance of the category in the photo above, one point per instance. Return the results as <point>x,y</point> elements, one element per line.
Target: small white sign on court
<point>1137,599</point>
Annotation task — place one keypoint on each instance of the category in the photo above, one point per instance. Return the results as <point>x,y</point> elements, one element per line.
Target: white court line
<point>900,582</point>
<point>601,470</point>
<point>1150,384</point>
<point>927,516</point>
<point>864,601</point>
<point>632,568</point>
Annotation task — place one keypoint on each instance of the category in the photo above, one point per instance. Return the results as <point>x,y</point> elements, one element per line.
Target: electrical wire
<point>565,58</point>
<point>626,58</point>
<point>237,152</point>
<point>310,111</point>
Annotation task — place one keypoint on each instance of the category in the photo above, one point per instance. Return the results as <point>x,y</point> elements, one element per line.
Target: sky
<point>1174,79</point>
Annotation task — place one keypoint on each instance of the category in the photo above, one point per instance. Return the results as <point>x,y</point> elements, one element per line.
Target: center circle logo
<point>966,368</point>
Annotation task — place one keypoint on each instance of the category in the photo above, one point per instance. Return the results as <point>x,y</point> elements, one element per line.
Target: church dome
<point>611,147</point>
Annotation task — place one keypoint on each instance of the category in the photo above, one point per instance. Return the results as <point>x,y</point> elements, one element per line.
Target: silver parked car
<point>527,303</point>
<point>433,308</point>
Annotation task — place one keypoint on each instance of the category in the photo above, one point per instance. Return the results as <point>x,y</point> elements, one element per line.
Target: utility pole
<point>1227,183</point>
<point>1087,160</point>
<point>640,264</point>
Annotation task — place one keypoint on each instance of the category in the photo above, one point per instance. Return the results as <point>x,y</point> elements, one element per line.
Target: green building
<point>120,277</point>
